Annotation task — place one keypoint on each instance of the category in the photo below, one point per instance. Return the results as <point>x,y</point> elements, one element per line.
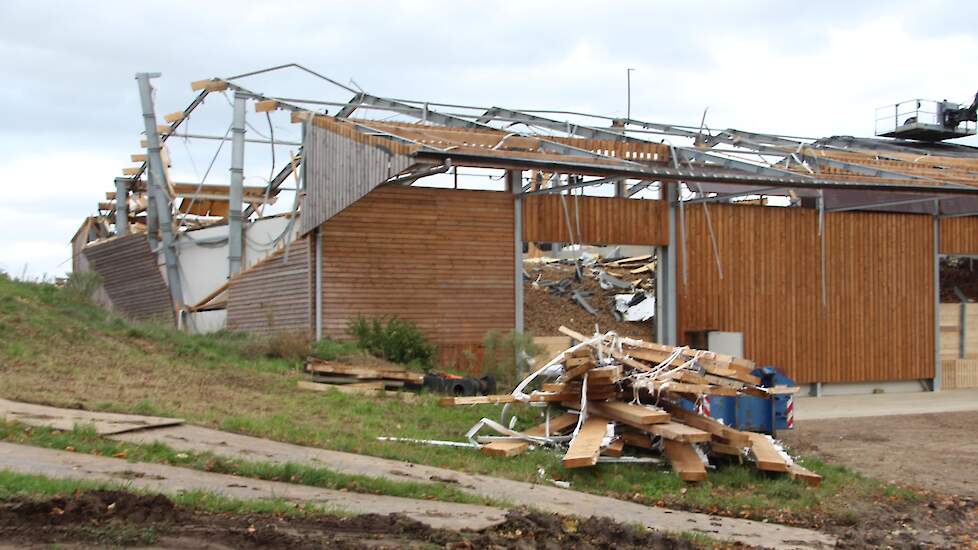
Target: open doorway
<point>588,288</point>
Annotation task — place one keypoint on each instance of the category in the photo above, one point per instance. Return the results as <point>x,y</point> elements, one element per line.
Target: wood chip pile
<point>609,398</point>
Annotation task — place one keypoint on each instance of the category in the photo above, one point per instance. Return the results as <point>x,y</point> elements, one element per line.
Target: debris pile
<point>359,379</point>
<point>615,399</point>
<point>589,290</point>
<point>388,378</point>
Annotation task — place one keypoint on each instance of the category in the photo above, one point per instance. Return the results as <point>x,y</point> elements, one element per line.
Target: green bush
<point>81,285</point>
<point>394,340</point>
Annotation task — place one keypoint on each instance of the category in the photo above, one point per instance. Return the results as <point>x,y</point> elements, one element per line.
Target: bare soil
<point>934,452</point>
<point>937,454</point>
<point>123,519</point>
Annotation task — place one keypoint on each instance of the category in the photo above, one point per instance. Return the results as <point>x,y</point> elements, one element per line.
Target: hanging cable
<point>821,236</point>
<point>207,172</point>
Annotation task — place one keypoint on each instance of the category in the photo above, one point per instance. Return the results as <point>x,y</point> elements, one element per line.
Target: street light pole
<point>628,76</point>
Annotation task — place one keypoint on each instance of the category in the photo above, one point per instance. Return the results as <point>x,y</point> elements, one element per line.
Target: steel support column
<point>236,193</point>
<point>514,184</point>
<point>936,381</point>
<point>666,279</point>
<point>157,192</point>
<point>121,206</point>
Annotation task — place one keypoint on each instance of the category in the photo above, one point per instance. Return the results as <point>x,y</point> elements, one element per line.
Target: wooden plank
<point>719,447</point>
<point>165,130</point>
<point>558,425</point>
<point>685,460</point>
<point>623,358</point>
<point>765,454</point>
<point>639,415</point>
<point>138,157</point>
<point>173,117</point>
<point>729,435</point>
<point>213,85</point>
<point>356,389</point>
<point>637,439</point>
<point>131,171</point>
<point>679,432</point>
<point>615,449</point>
<point>576,372</point>
<point>501,399</point>
<point>585,448</point>
<point>266,105</point>
<point>810,478</point>
<point>366,372</point>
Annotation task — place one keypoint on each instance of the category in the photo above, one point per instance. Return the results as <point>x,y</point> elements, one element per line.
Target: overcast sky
<point>69,111</point>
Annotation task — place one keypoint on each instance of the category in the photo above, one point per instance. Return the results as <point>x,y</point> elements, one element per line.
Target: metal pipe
<point>249,140</point>
<point>319,285</point>
<point>159,196</point>
<point>236,193</point>
<point>515,181</point>
<point>407,179</point>
<point>666,278</point>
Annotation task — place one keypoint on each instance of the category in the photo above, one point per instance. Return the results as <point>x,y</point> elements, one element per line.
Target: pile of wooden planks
<point>359,379</point>
<point>607,396</point>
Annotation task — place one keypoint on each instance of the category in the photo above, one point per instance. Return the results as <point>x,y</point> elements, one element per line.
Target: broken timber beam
<point>586,446</point>
<point>685,460</point>
<point>512,448</point>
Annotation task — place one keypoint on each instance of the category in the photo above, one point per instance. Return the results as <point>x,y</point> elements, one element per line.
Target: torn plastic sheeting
<point>511,434</point>
<point>634,308</point>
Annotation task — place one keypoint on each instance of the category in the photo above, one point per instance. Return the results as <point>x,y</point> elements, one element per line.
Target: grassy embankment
<point>61,351</point>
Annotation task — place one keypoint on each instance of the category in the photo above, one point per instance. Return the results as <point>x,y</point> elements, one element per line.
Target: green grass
<point>84,439</point>
<point>67,353</point>
<point>37,486</point>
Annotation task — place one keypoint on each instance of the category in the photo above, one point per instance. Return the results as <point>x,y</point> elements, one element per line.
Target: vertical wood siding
<point>877,322</point>
<point>959,235</point>
<point>132,278</point>
<point>273,295</point>
<point>602,220</point>
<point>341,166</point>
<point>441,258</point>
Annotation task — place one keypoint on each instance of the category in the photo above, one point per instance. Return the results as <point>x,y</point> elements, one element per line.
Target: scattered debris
<point>586,290</point>
<point>614,399</point>
<point>389,379</point>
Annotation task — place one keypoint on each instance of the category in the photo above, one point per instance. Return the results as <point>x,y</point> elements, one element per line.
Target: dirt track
<point>115,518</point>
<point>936,452</point>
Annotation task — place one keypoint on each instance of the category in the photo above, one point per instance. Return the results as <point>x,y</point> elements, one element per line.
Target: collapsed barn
<point>821,255</point>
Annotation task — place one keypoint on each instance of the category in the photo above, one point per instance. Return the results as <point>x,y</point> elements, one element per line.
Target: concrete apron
<point>542,497</point>
<point>172,480</point>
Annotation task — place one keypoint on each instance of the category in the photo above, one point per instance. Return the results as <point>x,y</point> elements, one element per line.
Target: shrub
<point>507,356</point>
<point>81,285</point>
<point>293,346</point>
<point>394,340</point>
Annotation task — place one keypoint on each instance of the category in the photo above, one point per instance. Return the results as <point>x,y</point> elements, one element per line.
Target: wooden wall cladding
<point>274,295</point>
<point>959,235</point>
<point>603,220</point>
<point>877,322</point>
<point>442,258</point>
<point>131,278</point>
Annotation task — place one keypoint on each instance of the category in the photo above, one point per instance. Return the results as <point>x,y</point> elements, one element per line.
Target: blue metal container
<point>746,412</point>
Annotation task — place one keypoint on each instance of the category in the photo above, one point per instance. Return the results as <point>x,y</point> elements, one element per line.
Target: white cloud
<point>70,113</point>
